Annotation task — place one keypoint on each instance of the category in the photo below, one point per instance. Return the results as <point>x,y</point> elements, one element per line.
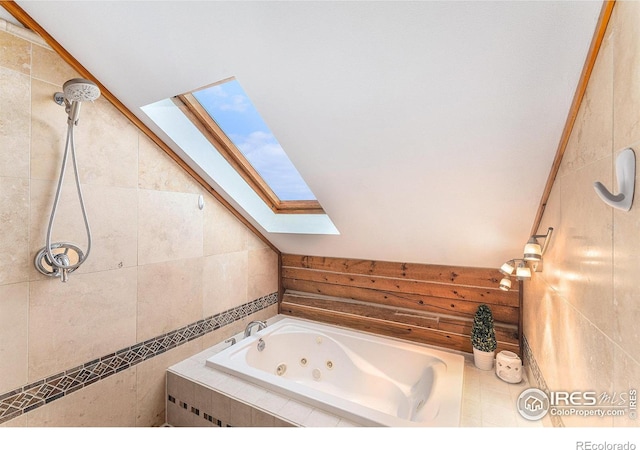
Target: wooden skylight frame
<point>197,114</point>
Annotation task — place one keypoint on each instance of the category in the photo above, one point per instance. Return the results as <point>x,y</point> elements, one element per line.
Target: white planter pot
<point>483,360</point>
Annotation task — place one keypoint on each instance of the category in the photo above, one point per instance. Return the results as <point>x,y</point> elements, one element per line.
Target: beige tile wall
<point>582,312</point>
<point>157,263</point>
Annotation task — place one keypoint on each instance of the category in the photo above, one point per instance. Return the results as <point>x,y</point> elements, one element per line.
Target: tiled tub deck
<point>200,396</point>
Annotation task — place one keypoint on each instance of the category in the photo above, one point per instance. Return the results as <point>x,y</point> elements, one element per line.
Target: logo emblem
<point>533,404</point>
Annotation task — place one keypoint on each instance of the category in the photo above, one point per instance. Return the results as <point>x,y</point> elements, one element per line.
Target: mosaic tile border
<point>536,373</point>
<point>196,411</point>
<point>34,395</point>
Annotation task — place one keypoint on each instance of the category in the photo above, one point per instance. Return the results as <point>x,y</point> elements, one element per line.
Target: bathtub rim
<point>453,384</point>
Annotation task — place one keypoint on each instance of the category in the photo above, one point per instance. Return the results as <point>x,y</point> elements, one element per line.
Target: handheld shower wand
<point>67,257</point>
<point>75,92</point>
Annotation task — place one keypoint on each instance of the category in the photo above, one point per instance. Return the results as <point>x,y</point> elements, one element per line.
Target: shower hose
<point>61,261</point>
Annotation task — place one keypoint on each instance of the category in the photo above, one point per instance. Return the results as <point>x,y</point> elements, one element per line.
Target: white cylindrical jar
<point>509,367</point>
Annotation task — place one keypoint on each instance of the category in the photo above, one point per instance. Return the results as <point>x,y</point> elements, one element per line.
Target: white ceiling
<point>426,129</point>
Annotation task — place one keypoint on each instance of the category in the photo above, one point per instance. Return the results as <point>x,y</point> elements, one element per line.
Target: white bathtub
<point>371,380</point>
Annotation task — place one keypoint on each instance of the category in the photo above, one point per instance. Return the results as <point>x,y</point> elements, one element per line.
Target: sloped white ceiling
<point>426,129</point>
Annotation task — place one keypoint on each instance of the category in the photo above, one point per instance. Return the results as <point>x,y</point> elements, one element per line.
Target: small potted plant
<point>483,338</point>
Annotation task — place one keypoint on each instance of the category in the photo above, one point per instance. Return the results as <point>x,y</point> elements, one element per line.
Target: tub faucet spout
<point>261,325</point>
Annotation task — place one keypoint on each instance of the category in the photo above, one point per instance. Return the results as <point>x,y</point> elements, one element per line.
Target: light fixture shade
<point>505,284</point>
<point>508,268</point>
<point>523,272</point>
<point>532,250</point>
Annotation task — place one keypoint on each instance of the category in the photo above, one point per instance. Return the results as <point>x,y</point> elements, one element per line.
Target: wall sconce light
<point>508,267</point>
<point>523,272</point>
<point>505,283</point>
<point>533,252</point>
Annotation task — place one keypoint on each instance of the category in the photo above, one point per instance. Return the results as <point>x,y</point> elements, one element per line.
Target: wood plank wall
<point>424,303</point>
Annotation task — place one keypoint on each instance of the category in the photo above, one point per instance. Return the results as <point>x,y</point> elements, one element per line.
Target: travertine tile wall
<point>157,264</point>
<point>582,312</point>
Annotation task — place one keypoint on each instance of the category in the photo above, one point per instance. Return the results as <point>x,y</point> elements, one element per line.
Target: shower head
<point>80,90</point>
<point>76,90</point>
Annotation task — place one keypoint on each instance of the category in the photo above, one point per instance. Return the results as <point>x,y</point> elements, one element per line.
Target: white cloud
<point>269,159</point>
<point>237,103</point>
<point>219,98</point>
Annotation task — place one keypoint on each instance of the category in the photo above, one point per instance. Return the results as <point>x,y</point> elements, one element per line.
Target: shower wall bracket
<point>626,176</point>
<point>66,257</point>
<point>58,97</point>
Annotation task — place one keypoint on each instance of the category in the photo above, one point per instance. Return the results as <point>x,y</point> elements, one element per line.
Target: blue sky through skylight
<point>230,107</point>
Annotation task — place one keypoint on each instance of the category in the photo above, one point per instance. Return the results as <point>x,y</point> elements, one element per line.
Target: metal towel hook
<point>626,175</point>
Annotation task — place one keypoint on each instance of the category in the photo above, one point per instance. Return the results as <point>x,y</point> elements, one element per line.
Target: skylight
<point>231,156</point>
<point>226,116</point>
<point>230,107</point>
